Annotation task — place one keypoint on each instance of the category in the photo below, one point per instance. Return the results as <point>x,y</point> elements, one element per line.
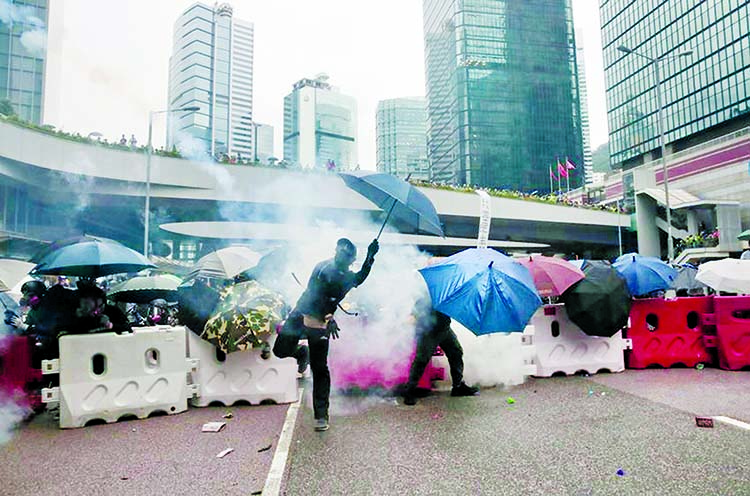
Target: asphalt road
<point>558,438</point>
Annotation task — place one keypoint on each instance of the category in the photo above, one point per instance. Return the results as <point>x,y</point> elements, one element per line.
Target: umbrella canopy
<point>225,263</point>
<point>686,278</point>
<point>396,196</point>
<point>645,275</point>
<point>744,235</point>
<point>552,276</point>
<point>12,272</point>
<point>145,289</point>
<point>484,290</point>
<point>91,257</point>
<point>244,318</point>
<point>729,275</point>
<point>580,263</point>
<point>600,303</point>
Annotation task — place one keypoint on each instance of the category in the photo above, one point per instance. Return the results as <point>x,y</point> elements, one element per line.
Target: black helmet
<point>33,288</point>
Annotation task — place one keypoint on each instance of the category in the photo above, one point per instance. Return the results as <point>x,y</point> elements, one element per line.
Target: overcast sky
<point>109,59</point>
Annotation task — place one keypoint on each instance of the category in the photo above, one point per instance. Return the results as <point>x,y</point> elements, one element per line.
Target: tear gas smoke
<point>11,414</point>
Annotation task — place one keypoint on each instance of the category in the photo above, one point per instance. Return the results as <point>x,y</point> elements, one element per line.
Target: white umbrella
<point>225,263</point>
<point>729,275</point>
<point>13,271</point>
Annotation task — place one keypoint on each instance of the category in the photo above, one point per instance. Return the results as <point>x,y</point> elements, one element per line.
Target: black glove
<point>333,329</point>
<point>373,248</point>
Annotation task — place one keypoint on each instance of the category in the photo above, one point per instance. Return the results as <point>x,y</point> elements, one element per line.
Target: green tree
<point>600,159</point>
<point>6,108</point>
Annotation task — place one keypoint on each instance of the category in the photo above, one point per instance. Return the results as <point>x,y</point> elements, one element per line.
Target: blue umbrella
<point>645,275</point>
<point>484,290</point>
<point>91,257</point>
<point>397,197</point>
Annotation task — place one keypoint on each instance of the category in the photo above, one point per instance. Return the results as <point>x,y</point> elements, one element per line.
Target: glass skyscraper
<point>320,126</point>
<point>401,137</point>
<point>212,68</point>
<point>23,54</point>
<point>705,95</point>
<point>502,92</point>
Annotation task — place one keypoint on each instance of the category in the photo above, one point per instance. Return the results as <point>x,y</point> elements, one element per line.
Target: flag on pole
<point>569,165</point>
<point>552,174</point>
<point>562,170</point>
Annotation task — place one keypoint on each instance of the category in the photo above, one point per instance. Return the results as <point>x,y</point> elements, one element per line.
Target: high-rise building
<point>705,95</point>
<point>211,67</point>
<point>264,143</point>
<point>502,91</point>
<point>401,137</point>
<point>23,55</point>
<point>588,157</point>
<point>320,126</point>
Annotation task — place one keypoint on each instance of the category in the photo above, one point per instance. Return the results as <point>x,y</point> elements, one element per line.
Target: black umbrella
<point>600,303</point>
<point>91,257</point>
<point>396,196</point>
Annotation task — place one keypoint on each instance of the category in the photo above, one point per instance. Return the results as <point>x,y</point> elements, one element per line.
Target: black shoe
<point>303,360</point>
<point>464,390</point>
<point>409,398</point>
<point>321,425</point>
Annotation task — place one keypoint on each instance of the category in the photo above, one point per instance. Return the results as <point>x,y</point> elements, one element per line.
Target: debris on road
<point>620,472</point>
<point>228,415</point>
<point>706,422</point>
<point>700,366</point>
<point>256,493</point>
<point>510,400</point>
<point>124,478</point>
<point>213,426</point>
<point>436,416</point>
<point>591,392</point>
<point>265,448</point>
<point>224,453</point>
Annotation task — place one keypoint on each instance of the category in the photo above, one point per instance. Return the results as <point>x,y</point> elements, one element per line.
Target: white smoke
<point>192,148</point>
<point>10,416</point>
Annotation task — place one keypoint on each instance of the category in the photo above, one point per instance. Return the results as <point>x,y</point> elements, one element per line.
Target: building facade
<point>23,55</point>
<point>320,126</point>
<point>588,158</point>
<point>502,92</point>
<point>706,94</point>
<point>401,138</point>
<point>264,143</point>
<point>211,67</point>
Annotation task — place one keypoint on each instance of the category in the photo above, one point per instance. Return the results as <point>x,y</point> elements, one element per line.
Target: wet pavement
<point>163,455</point>
<point>561,436</point>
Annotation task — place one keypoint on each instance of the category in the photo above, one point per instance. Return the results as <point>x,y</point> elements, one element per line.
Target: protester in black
<point>312,319</point>
<point>434,329</point>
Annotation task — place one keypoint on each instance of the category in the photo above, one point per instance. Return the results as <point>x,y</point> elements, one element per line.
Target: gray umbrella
<point>686,278</point>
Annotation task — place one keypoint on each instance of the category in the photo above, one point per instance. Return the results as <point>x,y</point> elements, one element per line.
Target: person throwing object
<point>433,330</point>
<point>312,319</point>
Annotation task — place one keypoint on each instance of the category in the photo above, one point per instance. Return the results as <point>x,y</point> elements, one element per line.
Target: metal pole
<point>619,227</point>
<point>146,211</point>
<point>663,144</point>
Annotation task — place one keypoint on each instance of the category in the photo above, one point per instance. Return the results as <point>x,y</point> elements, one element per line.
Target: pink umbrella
<point>552,276</point>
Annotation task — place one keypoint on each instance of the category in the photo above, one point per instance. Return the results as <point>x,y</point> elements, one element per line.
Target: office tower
<point>320,126</point>
<point>401,138</point>
<point>588,159</point>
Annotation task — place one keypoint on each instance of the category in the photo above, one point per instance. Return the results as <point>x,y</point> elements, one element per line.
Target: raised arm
<point>360,276</point>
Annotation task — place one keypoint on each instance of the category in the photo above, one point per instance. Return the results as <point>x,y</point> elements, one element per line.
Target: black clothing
<point>329,285</point>
<point>117,318</point>
<point>433,330</point>
<point>196,305</point>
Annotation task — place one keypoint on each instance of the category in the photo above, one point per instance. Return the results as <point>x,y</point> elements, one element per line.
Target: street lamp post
<point>662,141</point>
<point>149,152</point>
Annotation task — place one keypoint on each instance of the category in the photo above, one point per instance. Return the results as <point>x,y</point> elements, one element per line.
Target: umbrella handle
<point>390,211</point>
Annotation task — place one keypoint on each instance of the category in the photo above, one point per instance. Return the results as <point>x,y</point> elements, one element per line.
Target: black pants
<point>427,342</point>
<point>287,345</point>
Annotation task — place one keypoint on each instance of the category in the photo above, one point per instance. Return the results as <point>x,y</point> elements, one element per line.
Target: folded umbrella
<point>245,317</point>
<point>645,275</point>
<point>552,276</point>
<point>484,290</point>
<point>91,257</point>
<point>600,303</point>
<point>729,275</point>
<point>145,289</point>
<point>397,197</point>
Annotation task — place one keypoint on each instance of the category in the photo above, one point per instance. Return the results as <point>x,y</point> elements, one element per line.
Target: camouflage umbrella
<point>245,317</point>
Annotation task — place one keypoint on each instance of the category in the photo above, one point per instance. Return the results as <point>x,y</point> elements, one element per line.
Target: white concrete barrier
<point>241,376</point>
<point>563,348</point>
<point>108,376</point>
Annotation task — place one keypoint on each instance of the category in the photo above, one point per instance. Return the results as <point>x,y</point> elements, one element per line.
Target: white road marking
<point>278,464</point>
<point>733,422</point>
